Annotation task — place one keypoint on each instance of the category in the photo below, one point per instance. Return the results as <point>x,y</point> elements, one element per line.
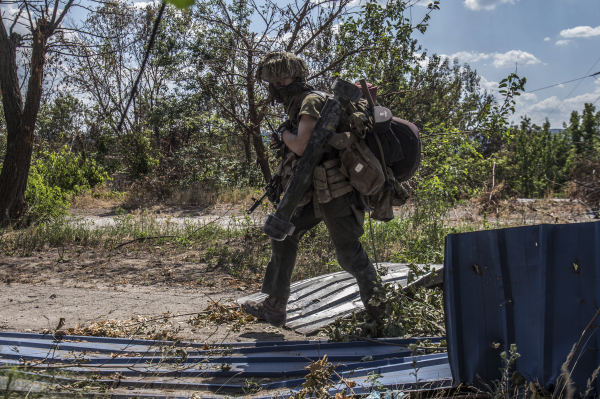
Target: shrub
<point>44,201</point>
<point>69,171</point>
<point>139,153</point>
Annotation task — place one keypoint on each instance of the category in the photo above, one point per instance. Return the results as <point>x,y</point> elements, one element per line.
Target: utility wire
<point>571,92</point>
<point>568,81</point>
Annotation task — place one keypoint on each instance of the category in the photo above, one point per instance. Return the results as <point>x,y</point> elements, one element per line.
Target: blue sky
<point>549,41</point>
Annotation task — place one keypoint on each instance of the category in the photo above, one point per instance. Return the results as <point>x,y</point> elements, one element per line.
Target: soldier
<point>331,198</point>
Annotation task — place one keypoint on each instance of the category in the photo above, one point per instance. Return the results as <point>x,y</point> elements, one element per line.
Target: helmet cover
<point>277,66</point>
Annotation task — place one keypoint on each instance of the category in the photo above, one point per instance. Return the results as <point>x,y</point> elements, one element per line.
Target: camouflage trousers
<point>345,232</point>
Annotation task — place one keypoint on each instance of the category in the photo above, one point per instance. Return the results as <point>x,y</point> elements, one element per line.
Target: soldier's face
<point>283,82</point>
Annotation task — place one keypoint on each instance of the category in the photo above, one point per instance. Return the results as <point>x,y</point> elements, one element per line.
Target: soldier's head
<point>285,73</point>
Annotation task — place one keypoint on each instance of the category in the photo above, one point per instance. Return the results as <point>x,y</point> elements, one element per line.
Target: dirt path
<point>90,287</point>
<point>84,285</point>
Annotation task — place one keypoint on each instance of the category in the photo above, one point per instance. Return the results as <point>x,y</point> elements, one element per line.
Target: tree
<point>575,131</point>
<point>42,22</point>
<point>325,33</point>
<point>589,127</point>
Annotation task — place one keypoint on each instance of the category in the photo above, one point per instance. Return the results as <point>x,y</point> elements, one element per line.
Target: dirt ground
<point>84,285</point>
<point>91,286</point>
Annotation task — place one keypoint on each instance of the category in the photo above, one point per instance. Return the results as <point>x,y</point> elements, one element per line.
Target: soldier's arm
<point>298,143</point>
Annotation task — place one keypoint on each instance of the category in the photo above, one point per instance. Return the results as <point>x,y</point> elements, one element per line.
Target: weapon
<point>277,225</point>
<point>272,192</point>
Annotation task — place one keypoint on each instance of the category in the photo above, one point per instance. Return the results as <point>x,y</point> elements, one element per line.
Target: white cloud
<point>546,105</point>
<point>552,107</point>
<point>485,4</point>
<point>488,85</point>
<point>577,103</point>
<point>563,42</point>
<point>144,4</point>
<point>423,3</point>
<point>467,56</point>
<point>528,97</point>
<point>581,31</point>
<point>546,39</point>
<point>508,59</point>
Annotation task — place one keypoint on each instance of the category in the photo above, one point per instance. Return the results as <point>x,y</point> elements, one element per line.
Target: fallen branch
<point>441,348</point>
<point>143,239</point>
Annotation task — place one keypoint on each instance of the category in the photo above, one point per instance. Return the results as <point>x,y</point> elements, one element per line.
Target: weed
<point>417,313</point>
<point>373,381</point>
<point>318,380</point>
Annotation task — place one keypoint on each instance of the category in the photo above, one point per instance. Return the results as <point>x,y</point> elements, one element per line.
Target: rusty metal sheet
<point>319,301</point>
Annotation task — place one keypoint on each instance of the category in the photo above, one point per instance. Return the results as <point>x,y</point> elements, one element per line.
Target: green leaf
<point>181,3</point>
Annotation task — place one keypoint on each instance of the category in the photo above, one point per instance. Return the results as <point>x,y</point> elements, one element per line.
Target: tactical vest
<point>373,165</point>
<point>328,180</point>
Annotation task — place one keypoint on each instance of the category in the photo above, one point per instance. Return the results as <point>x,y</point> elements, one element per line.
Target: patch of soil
<point>88,285</point>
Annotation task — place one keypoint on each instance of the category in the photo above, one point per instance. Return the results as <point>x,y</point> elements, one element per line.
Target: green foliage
<point>68,171</point>
<point>181,4</point>
<point>590,127</point>
<point>44,201</point>
<point>61,118</point>
<point>53,177</point>
<point>502,387</point>
<point>137,150</point>
<point>535,162</point>
<point>416,314</point>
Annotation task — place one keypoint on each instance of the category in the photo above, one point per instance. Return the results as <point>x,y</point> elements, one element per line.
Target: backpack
<point>396,144</point>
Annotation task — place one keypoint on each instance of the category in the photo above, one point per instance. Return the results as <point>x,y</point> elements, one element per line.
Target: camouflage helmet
<point>279,65</point>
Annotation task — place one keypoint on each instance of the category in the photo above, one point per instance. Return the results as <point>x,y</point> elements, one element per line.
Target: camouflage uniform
<point>330,199</point>
<point>342,216</point>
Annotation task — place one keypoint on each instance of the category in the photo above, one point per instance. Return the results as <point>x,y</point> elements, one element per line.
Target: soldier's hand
<point>276,141</point>
<point>285,125</point>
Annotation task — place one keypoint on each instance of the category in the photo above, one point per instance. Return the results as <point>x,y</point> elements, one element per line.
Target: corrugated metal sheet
<point>534,286</point>
<point>319,301</point>
<point>147,372</point>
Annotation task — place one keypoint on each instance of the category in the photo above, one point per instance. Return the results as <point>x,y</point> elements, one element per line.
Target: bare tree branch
<point>62,14</point>
<point>224,108</point>
<point>16,19</point>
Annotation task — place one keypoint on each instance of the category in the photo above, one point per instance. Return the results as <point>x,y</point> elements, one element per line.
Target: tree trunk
<point>262,156</point>
<point>247,148</point>
<point>20,120</point>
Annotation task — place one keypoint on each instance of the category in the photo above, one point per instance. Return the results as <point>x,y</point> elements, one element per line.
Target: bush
<point>69,171</point>
<point>44,201</point>
<point>139,153</point>
<point>53,177</point>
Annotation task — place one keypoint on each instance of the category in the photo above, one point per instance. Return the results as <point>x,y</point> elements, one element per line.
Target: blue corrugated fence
<point>534,286</point>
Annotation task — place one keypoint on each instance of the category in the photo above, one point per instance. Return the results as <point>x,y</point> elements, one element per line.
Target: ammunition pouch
<point>329,182</point>
<point>363,169</point>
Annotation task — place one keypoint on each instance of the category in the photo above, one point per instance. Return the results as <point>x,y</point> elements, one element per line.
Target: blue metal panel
<point>143,366</point>
<point>534,286</point>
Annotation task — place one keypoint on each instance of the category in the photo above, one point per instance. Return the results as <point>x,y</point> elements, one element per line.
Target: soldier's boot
<point>367,281</point>
<point>272,309</point>
<point>376,312</point>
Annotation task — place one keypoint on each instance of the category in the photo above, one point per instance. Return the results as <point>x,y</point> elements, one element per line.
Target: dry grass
<point>161,329</point>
